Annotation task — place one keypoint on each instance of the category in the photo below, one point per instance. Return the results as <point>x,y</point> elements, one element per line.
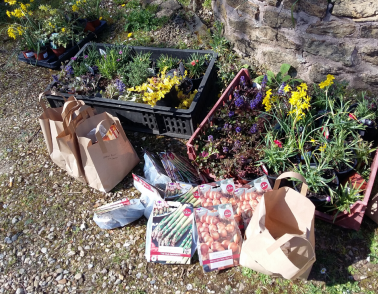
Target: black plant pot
<point>196,83</point>
<point>345,173</point>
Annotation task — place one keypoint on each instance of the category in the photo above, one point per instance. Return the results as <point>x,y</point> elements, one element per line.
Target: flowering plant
<point>89,9</point>
<point>196,65</point>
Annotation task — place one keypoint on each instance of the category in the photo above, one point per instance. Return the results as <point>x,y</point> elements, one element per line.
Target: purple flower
<point>239,102</point>
<point>95,68</point>
<point>238,129</point>
<point>226,126</point>
<point>210,138</point>
<point>73,58</point>
<point>104,56</point>
<point>253,129</point>
<point>120,52</point>
<point>230,127</point>
<point>253,104</point>
<point>120,86</point>
<point>55,78</point>
<point>118,59</point>
<point>69,70</point>
<point>237,145</point>
<point>231,113</point>
<point>225,149</point>
<point>281,89</point>
<point>264,81</point>
<point>242,81</point>
<point>328,199</point>
<point>204,154</point>
<point>85,56</point>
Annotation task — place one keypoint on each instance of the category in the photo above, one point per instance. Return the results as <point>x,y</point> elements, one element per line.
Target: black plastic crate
<point>55,62</point>
<point>159,120</point>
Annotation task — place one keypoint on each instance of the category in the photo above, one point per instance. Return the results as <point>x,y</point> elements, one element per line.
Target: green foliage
<point>282,76</point>
<point>137,70</point>
<point>207,4</point>
<point>143,20</point>
<point>218,43</point>
<point>116,58</point>
<point>184,3</point>
<point>167,61</point>
<point>363,109</point>
<point>133,4</point>
<point>196,65</point>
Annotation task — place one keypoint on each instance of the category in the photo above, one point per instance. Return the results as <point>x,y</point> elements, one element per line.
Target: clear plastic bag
<point>121,216</point>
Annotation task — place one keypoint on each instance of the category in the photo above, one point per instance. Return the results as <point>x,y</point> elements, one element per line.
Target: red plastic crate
<point>345,220</point>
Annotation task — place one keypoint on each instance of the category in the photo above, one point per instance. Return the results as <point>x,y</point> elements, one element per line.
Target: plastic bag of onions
<point>219,238</point>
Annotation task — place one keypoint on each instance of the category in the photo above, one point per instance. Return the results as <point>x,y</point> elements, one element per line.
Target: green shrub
<point>140,19</point>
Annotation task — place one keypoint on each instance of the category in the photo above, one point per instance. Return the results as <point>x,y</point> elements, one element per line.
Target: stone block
<point>370,54</point>
<point>288,43</point>
<point>165,12</point>
<point>332,28</point>
<point>369,31</point>
<point>277,19</point>
<point>338,52</point>
<point>355,8</point>
<point>312,7</point>
<point>275,58</point>
<point>319,72</point>
<point>371,80</point>
<point>170,4</point>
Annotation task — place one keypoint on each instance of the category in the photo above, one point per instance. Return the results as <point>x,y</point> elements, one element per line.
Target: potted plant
<point>90,10</point>
<point>196,67</point>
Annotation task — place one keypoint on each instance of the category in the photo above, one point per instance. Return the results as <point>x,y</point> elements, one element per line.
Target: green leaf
<point>245,66</point>
<point>258,79</point>
<point>271,75</point>
<point>284,68</point>
<point>286,78</point>
<point>279,77</point>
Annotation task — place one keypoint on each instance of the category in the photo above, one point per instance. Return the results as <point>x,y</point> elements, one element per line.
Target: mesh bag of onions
<point>219,238</point>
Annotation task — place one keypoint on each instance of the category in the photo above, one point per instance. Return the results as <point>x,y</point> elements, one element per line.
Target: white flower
<point>323,271</point>
<point>189,287</point>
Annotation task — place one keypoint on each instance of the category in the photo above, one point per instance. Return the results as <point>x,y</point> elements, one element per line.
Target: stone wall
<point>339,38</point>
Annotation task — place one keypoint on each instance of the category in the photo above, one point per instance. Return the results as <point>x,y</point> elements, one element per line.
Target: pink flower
<point>120,52</point>
<point>193,63</point>
<point>278,143</point>
<point>197,60</point>
<point>328,199</point>
<point>118,59</point>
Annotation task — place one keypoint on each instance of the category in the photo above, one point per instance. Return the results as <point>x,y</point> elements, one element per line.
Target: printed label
<point>196,194</point>
<point>187,212</point>
<point>171,156</point>
<point>219,259</point>
<point>227,213</point>
<point>125,201</point>
<point>264,185</point>
<point>264,169</point>
<point>230,188</point>
<point>170,249</point>
<point>29,54</point>
<point>45,55</point>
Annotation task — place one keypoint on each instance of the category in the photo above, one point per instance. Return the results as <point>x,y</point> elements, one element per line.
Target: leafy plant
<point>282,77</point>
<point>364,108</point>
<point>137,71</point>
<point>219,43</point>
<point>89,9</point>
<point>167,62</point>
<point>344,197</point>
<point>143,19</point>
<point>197,65</point>
<point>113,59</point>
<point>207,4</point>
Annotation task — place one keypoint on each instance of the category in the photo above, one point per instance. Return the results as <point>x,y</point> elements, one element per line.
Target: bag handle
<point>84,112</point>
<point>292,175</point>
<point>43,94</point>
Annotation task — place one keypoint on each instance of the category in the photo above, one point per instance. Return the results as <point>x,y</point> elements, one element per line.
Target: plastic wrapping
<point>121,216</point>
<point>154,174</point>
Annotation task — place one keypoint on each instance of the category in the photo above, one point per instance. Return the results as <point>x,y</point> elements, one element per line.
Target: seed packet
<point>170,234</point>
<point>111,134</point>
<point>176,189</point>
<point>219,238</point>
<point>191,196</point>
<point>210,195</point>
<point>261,184</point>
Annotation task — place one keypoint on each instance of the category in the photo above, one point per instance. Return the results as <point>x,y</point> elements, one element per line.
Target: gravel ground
<point>49,243</point>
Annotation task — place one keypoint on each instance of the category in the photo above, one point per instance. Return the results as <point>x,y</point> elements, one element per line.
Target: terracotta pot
<point>28,53</point>
<point>42,55</point>
<point>89,27</point>
<point>59,51</point>
<point>95,23</point>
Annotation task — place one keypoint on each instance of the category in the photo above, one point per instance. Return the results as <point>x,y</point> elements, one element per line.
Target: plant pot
<point>89,27</point>
<point>42,55</point>
<point>28,53</point>
<point>343,174</point>
<point>196,83</point>
<point>369,134</point>
<point>95,23</point>
<point>59,51</point>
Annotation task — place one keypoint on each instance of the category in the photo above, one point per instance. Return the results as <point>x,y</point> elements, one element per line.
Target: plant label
<point>29,54</point>
<point>264,185</point>
<point>45,55</point>
<point>196,194</point>
<point>187,212</point>
<point>227,213</point>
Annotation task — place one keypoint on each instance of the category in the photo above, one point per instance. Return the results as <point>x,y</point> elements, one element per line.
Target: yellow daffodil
<point>23,6</point>
<point>31,1</point>
<point>313,140</point>
<point>100,18</point>
<point>299,102</point>
<point>75,8</point>
<point>11,32</point>
<point>8,13</point>
<point>63,30</point>
<point>322,148</point>
<point>20,31</point>
<point>17,13</point>
<point>328,82</point>
<point>267,102</point>
<point>130,35</point>
<point>11,2</point>
<point>123,5</point>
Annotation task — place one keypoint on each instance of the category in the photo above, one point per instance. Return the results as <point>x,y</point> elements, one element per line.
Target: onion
<point>215,235</point>
<point>205,204</point>
<point>247,206</point>
<point>209,203</point>
<point>223,233</point>
<point>204,249</point>
<point>215,220</point>
<point>218,196</point>
<point>203,218</point>
<point>224,200</point>
<point>238,210</point>
<point>236,238</point>
<point>219,247</point>
<point>205,225</point>
<point>199,224</point>
<point>203,229</point>
<point>225,243</point>
<point>208,219</point>
<point>214,245</point>
<point>204,234</point>
<point>213,228</point>
<point>233,201</point>
<point>254,195</point>
<point>208,239</point>
<point>247,196</point>
<point>216,202</point>
<point>220,225</point>
<point>258,198</point>
<point>242,197</point>
<point>230,228</point>
<point>237,218</point>
<point>233,246</point>
<point>210,251</point>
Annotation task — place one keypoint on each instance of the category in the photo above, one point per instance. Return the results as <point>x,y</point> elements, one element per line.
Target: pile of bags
<point>93,148</point>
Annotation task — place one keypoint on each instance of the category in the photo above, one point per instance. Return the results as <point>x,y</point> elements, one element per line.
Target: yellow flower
<point>75,8</point>
<point>11,2</point>
<point>299,102</point>
<point>20,31</point>
<point>123,5</point>
<point>287,88</point>
<point>11,32</point>
<point>130,35</point>
<point>313,140</point>
<point>17,13</point>
<point>8,13</point>
<point>322,148</point>
<point>100,18</point>
<point>23,6</point>
<point>267,101</point>
<point>328,82</point>
<point>63,30</point>
<point>31,1</point>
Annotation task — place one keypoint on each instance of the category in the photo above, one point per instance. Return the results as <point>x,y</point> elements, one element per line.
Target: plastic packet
<point>107,135</point>
<point>118,214</point>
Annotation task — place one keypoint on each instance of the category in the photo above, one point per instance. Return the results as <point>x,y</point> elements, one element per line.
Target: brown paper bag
<point>51,122</point>
<point>280,237</point>
<point>68,145</point>
<point>105,163</point>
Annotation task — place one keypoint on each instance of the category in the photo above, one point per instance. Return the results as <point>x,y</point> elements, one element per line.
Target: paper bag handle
<point>43,94</point>
<point>84,112</point>
<point>292,175</point>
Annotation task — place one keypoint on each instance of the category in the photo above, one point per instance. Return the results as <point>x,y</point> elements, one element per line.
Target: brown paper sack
<point>68,145</point>
<point>280,237</point>
<point>51,122</point>
<point>105,163</point>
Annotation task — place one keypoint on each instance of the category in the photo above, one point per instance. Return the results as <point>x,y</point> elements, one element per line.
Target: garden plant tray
<point>158,120</point>
<point>345,220</point>
<point>55,62</point>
